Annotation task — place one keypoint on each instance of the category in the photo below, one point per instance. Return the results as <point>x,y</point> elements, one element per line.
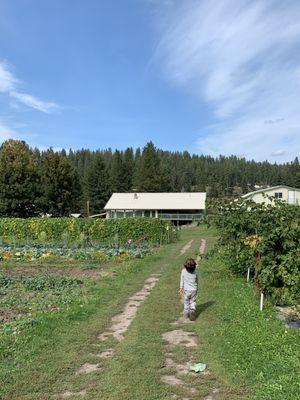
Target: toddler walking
<point>189,288</point>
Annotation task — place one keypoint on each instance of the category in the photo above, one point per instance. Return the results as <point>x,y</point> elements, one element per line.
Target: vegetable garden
<point>83,231</point>
<point>99,240</point>
<point>264,239</point>
<point>46,264</point>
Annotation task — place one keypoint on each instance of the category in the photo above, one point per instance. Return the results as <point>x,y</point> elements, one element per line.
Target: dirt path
<point>119,326</point>
<point>186,247</point>
<point>121,322</point>
<point>176,371</point>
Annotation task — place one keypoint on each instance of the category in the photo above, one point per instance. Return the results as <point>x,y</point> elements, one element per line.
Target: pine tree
<point>59,184</point>
<point>295,172</point>
<point>129,168</point>
<point>97,184</point>
<point>18,180</point>
<point>149,177</point>
<point>118,173</point>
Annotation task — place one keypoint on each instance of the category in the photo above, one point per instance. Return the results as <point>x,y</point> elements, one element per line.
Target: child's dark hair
<point>190,265</point>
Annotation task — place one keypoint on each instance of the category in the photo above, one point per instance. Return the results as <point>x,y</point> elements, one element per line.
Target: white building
<point>285,193</point>
<point>171,206</point>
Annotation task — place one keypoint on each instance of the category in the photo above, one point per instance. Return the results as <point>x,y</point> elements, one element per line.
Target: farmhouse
<point>285,193</point>
<point>180,207</point>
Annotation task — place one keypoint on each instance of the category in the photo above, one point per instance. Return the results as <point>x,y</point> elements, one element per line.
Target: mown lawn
<point>250,354</point>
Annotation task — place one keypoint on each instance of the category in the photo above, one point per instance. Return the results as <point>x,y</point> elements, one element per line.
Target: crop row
<point>95,253</point>
<point>69,230</point>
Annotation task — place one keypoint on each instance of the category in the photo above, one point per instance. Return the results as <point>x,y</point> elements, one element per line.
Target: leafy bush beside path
<point>265,239</point>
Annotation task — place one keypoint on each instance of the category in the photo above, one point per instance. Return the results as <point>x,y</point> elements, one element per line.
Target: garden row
<point>264,239</point>
<point>32,252</point>
<point>84,231</point>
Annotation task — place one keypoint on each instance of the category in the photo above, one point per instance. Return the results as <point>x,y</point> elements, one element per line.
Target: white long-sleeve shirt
<point>189,280</point>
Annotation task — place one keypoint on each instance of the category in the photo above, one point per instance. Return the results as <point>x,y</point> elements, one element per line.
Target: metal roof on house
<point>156,201</point>
<point>268,189</point>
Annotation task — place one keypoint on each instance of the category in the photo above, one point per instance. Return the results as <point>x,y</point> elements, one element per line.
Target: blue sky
<point>219,77</point>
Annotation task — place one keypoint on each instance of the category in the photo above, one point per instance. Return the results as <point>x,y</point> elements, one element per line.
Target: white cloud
<point>34,102</point>
<point>9,85</point>
<point>241,58</point>
<point>7,80</point>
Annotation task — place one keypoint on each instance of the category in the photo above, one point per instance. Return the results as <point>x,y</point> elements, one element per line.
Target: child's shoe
<point>192,315</point>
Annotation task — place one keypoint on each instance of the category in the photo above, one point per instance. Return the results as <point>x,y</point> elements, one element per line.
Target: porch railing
<point>181,217</point>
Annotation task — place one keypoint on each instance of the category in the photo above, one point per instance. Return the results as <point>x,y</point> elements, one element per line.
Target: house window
<point>278,195</point>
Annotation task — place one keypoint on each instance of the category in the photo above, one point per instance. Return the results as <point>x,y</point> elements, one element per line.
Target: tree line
<point>34,182</point>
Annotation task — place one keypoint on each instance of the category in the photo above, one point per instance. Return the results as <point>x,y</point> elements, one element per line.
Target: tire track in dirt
<point>122,321</point>
<point>201,249</point>
<point>186,247</point>
<point>119,326</point>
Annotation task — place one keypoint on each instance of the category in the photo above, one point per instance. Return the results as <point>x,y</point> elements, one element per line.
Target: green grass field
<point>250,354</point>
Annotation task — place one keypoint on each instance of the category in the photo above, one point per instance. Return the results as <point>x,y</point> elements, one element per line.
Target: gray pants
<point>189,301</point>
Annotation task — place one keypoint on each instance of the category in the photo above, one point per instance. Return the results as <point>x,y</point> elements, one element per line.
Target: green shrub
<point>266,239</point>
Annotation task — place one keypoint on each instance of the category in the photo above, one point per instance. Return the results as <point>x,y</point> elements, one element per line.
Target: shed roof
<point>268,189</point>
<point>156,201</point>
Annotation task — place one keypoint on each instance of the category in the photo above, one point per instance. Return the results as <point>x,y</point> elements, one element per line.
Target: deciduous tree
<point>19,180</point>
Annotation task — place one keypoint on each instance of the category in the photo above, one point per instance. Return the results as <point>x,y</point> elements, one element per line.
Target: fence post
<point>248,275</point>
<point>261,301</point>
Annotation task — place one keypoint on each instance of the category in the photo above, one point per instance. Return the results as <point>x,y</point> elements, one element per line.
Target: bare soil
<point>88,368</point>
<point>67,394</point>
<point>9,314</point>
<point>181,338</point>
<point>186,247</point>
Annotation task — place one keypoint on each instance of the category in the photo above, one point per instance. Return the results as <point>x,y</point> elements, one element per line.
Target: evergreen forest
<point>35,182</point>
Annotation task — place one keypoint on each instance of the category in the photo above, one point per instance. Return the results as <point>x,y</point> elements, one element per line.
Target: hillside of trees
<point>34,182</point>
